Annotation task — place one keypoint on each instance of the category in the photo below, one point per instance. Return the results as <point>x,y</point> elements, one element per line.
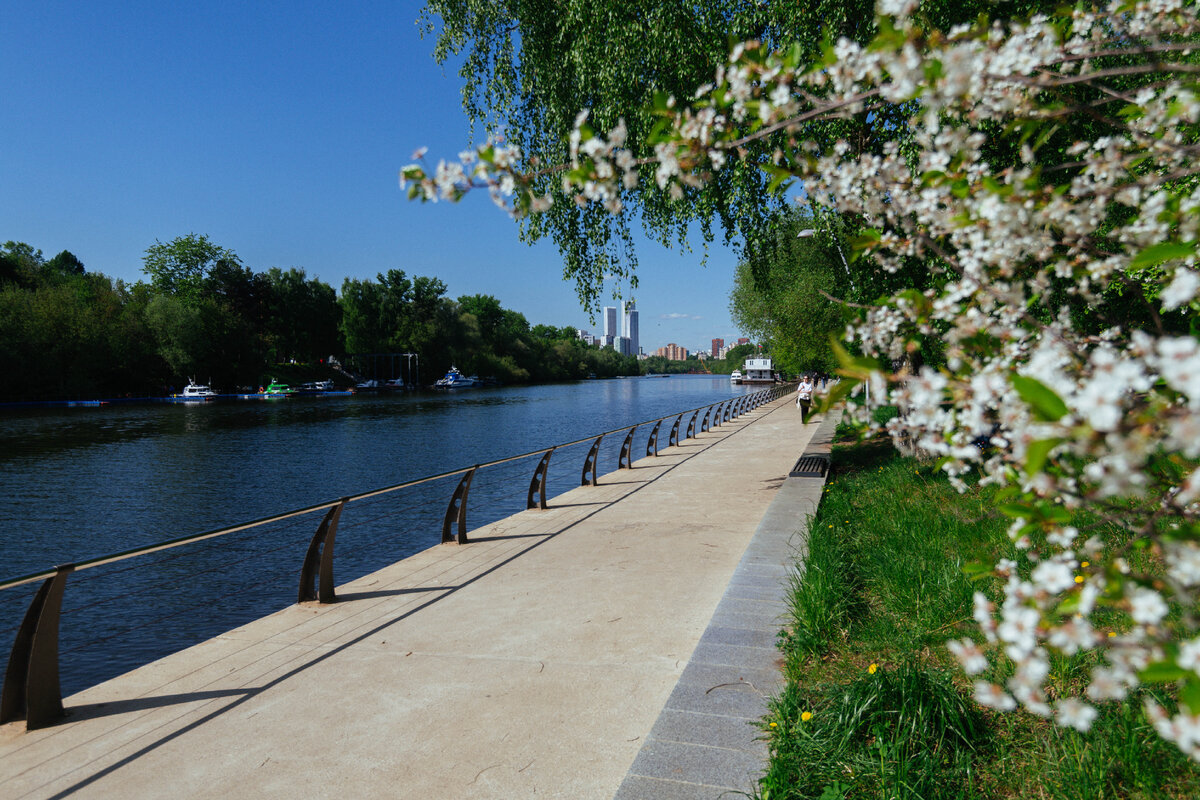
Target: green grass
<point>883,584</point>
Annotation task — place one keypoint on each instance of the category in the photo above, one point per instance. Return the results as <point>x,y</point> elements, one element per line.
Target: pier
<point>538,660</point>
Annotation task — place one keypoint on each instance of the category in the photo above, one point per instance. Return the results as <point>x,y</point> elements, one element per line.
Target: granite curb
<point>706,742</point>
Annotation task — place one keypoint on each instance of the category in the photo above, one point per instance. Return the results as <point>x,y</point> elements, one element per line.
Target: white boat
<point>735,376</point>
<point>196,393</point>
<point>758,370</point>
<point>456,380</point>
<point>315,387</point>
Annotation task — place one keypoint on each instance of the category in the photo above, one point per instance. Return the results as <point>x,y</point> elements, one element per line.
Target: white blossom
<point>969,655</point>
<point>1074,713</point>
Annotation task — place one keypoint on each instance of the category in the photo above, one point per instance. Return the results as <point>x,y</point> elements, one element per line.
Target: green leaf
<point>1163,672</point>
<point>1017,510</point>
<point>1047,406</point>
<point>976,570</point>
<point>1036,453</point>
<point>1189,695</point>
<point>994,186</point>
<point>837,393</point>
<point>1158,253</point>
<point>865,239</point>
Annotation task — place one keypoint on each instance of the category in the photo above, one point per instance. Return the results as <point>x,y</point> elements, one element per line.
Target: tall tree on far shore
<point>784,299</point>
<point>182,265</point>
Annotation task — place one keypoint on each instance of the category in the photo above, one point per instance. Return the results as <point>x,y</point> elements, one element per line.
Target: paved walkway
<point>533,662</point>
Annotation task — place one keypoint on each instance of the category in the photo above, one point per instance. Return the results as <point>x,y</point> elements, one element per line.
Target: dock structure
<point>549,657</point>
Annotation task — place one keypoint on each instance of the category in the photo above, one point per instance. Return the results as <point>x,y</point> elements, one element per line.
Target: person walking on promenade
<point>804,393</point>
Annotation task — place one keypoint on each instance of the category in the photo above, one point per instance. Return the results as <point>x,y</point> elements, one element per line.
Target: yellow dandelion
<point>1079,579</point>
<point>806,716</point>
<point>774,724</point>
<point>1112,634</point>
<point>871,669</point>
<point>1085,564</point>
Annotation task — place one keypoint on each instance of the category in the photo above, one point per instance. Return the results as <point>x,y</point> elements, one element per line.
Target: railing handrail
<point>196,537</point>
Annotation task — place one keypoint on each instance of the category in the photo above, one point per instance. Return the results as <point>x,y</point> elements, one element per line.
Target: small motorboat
<point>196,393</point>
<point>456,380</point>
<point>277,391</point>
<point>315,388</point>
<point>735,376</point>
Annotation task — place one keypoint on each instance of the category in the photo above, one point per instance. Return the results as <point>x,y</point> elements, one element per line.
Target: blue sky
<point>277,130</point>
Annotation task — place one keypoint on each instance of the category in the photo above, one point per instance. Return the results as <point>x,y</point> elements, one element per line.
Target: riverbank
<point>875,705</point>
<point>530,662</point>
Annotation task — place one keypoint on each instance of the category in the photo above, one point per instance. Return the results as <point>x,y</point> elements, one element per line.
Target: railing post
<point>626,459</point>
<point>589,464</point>
<point>728,407</point>
<point>673,439</point>
<point>652,442</point>
<point>31,685</point>
<point>691,428</point>
<point>537,485</point>
<point>457,510</point>
<point>704,422</point>
<point>320,554</point>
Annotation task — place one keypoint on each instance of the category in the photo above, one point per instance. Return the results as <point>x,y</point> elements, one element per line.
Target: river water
<point>85,482</point>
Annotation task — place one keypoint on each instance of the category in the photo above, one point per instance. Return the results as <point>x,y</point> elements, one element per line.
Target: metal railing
<point>31,683</point>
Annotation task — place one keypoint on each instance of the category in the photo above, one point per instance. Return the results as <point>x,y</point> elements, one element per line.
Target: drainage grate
<point>810,467</point>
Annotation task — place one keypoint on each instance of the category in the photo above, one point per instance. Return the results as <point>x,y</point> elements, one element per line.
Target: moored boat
<point>758,370</point>
<point>735,376</point>
<point>315,388</point>
<point>195,393</point>
<point>456,380</point>
<point>276,391</point>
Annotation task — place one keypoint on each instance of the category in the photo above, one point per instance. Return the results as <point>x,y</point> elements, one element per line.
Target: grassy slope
<point>876,707</point>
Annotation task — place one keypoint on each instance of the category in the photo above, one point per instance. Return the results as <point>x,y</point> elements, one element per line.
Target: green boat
<point>276,390</point>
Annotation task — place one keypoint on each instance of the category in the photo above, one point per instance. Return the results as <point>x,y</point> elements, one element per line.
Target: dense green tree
<point>786,303</point>
<point>530,73</point>
<point>71,337</point>
<point>67,333</point>
<point>363,326</point>
<point>20,263</point>
<point>183,265</point>
<point>303,316</point>
<point>65,264</point>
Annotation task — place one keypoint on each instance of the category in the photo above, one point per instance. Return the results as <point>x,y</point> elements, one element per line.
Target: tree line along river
<point>85,482</point>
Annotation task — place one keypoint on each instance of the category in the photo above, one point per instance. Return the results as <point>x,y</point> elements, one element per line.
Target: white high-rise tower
<point>610,326</point>
<point>629,329</point>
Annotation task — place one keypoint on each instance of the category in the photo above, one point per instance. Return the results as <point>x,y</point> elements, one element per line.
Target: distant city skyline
<point>280,136</point>
<point>617,322</point>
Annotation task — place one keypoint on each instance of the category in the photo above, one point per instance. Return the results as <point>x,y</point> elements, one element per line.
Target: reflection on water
<point>83,482</point>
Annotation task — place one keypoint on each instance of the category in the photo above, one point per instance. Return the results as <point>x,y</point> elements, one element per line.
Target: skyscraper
<point>629,319</point>
<point>610,326</point>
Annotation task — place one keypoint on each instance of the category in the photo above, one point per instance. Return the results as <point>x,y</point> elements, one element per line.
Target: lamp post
<point>809,232</point>
<point>409,357</point>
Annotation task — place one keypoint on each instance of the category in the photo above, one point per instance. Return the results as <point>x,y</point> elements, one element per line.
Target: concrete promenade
<point>540,660</point>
